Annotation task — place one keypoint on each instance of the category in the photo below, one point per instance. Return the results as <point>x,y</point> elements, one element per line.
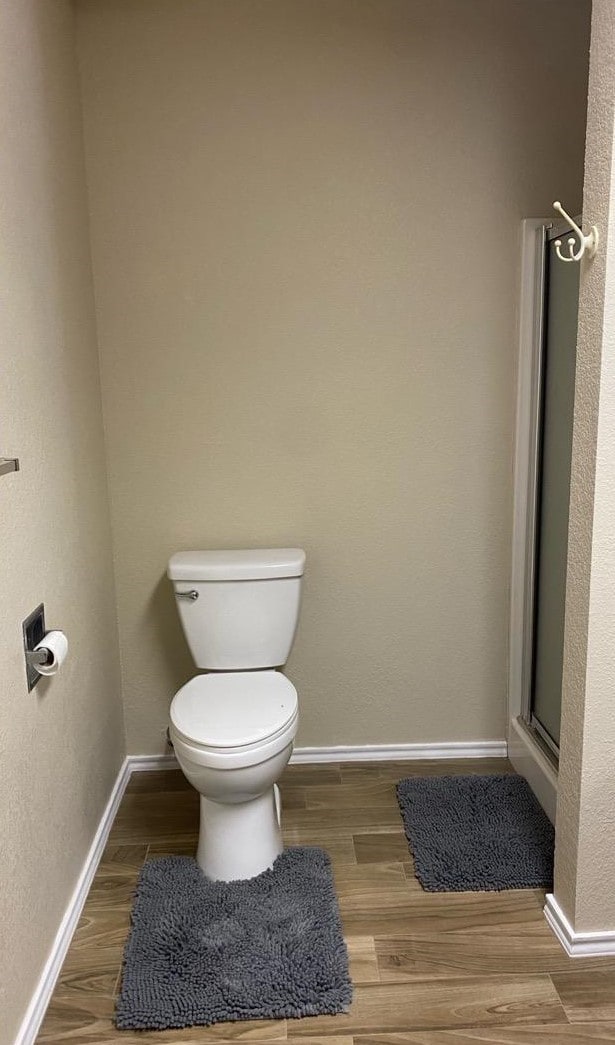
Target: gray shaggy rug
<point>476,833</point>
<point>200,952</point>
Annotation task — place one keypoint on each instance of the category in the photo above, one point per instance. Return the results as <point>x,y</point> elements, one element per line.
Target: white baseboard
<point>359,753</point>
<point>577,945</point>
<point>142,763</point>
<point>44,989</point>
<point>147,763</point>
<point>400,752</point>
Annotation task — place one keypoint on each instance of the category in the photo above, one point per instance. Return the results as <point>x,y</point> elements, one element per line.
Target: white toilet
<point>233,729</point>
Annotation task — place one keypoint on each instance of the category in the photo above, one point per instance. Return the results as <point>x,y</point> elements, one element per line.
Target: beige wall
<point>305,221</point>
<point>61,745</point>
<point>586,799</point>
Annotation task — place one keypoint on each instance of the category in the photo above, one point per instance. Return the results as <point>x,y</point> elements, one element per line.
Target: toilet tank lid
<point>242,565</point>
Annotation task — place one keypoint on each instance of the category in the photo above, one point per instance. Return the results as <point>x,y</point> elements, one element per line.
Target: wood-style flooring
<point>428,968</point>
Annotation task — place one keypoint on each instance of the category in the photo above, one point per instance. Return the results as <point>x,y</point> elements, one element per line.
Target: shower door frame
<point>528,749</point>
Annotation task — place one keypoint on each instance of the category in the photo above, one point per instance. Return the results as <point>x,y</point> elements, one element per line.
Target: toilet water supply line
<point>587,244</point>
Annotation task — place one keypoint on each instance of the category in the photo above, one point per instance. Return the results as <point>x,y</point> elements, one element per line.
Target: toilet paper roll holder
<point>41,656</point>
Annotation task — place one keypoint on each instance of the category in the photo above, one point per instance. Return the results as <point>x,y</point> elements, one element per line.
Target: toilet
<point>233,727</point>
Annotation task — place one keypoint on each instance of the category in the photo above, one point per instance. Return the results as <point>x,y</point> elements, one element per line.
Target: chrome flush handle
<point>187,595</point>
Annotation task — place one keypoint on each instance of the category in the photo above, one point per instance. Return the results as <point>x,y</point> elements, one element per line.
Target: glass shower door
<point>560,308</point>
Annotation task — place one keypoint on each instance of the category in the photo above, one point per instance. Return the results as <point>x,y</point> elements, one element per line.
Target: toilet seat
<point>234,719</point>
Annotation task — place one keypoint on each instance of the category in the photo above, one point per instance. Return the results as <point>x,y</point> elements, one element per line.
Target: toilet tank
<point>239,609</point>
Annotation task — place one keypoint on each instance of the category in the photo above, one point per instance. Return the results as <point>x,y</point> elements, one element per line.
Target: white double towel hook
<point>587,244</point>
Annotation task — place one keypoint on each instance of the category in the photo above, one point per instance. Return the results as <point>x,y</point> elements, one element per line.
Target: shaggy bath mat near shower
<point>200,952</point>
<point>476,833</point>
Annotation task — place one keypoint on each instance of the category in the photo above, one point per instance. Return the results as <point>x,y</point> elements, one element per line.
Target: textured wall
<point>305,227</point>
<point>60,746</point>
<point>586,798</point>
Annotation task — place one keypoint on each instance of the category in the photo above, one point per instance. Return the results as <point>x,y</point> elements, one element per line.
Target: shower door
<point>555,402</point>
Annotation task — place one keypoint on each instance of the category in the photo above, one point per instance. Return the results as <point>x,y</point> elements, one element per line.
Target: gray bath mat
<point>476,833</point>
<point>200,952</point>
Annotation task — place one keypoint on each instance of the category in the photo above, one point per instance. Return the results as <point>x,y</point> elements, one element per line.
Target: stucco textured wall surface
<point>305,226</point>
<point>61,745</point>
<point>586,796</point>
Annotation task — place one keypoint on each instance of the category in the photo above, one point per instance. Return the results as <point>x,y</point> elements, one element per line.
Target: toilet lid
<point>233,709</point>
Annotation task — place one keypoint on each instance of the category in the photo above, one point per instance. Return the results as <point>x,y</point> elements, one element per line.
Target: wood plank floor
<point>428,968</point>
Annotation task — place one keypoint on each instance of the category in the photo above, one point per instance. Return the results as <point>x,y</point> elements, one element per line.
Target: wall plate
<point>33,633</point>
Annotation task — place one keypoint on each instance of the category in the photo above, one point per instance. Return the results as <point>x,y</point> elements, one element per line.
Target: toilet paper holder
<point>38,656</point>
<point>44,651</point>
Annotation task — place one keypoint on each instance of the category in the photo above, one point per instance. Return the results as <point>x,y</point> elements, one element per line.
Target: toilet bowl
<point>233,728</point>
<point>233,735</point>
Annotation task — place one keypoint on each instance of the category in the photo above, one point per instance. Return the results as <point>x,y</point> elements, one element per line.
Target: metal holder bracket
<point>8,464</point>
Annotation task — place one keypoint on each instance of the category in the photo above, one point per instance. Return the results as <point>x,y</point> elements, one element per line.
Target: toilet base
<point>239,840</point>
